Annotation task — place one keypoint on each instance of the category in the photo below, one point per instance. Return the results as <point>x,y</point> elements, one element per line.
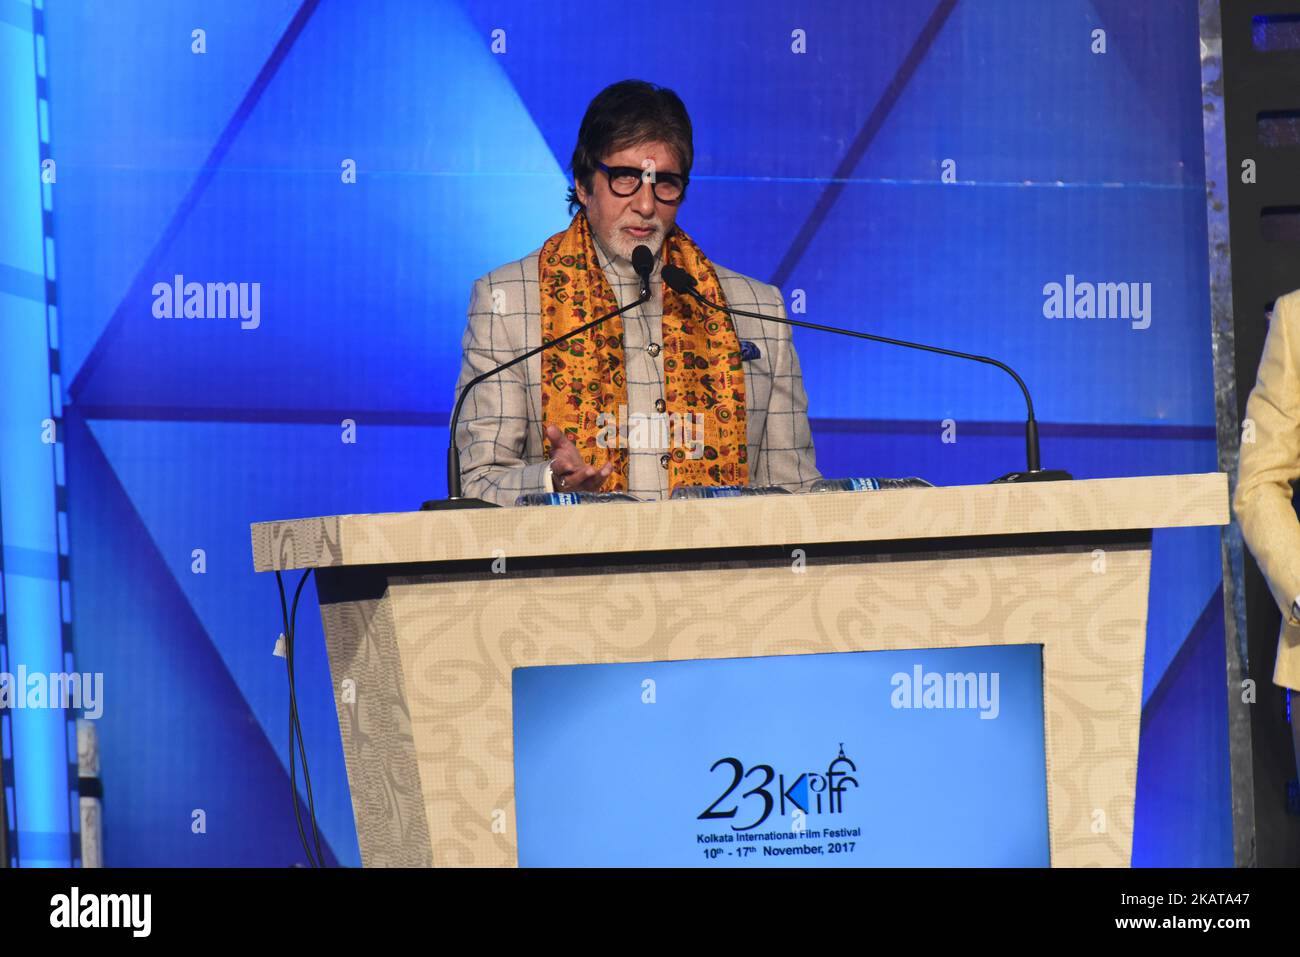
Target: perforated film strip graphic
<point>56,413</point>
<point>8,824</point>
<point>39,789</point>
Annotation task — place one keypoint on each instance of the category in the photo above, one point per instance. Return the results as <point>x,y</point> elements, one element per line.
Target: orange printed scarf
<point>584,376</point>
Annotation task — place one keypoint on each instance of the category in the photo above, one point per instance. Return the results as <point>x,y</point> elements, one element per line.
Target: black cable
<point>293,703</point>
<point>293,773</point>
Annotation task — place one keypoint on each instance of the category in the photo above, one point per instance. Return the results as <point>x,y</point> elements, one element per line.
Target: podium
<point>427,613</point>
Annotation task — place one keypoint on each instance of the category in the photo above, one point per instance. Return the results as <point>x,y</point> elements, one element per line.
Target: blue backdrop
<point>922,170</point>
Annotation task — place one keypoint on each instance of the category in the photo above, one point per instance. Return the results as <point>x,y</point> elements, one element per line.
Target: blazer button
<point>660,405</point>
<point>663,460</point>
<point>653,349</point>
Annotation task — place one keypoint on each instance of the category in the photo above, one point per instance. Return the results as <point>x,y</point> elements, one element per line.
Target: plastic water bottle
<point>867,484</point>
<point>726,491</point>
<point>574,498</point>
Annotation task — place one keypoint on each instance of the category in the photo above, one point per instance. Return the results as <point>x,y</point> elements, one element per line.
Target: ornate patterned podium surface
<point>427,613</point>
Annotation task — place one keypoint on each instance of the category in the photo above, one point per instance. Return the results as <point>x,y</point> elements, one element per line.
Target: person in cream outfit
<point>1270,462</point>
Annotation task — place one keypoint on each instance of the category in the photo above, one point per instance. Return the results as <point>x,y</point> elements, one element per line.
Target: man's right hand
<point>569,471</point>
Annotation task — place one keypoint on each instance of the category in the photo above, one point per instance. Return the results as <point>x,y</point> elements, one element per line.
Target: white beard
<point>621,244</point>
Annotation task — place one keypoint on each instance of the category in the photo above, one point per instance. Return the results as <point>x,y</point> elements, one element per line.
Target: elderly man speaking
<point>571,419</point>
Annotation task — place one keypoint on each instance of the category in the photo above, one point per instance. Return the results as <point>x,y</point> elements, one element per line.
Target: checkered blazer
<point>500,435</point>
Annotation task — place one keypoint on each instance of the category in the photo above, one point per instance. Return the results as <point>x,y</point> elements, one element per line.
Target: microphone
<point>680,281</point>
<point>643,262</point>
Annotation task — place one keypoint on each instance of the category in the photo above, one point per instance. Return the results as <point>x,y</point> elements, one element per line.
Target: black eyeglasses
<point>624,181</point>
